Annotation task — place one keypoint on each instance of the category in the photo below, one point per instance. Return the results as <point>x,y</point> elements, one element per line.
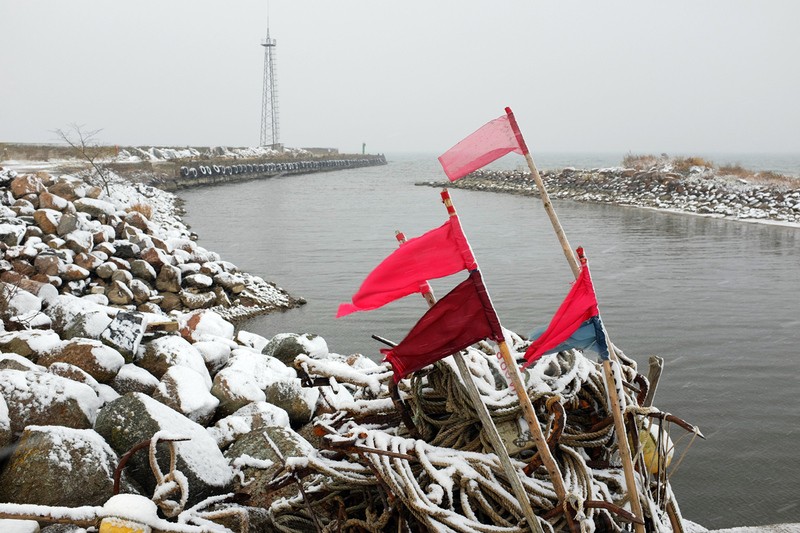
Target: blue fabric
<point>590,335</point>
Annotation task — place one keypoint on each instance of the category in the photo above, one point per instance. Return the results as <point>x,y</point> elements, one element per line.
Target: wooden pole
<point>548,206</point>
<point>611,374</point>
<point>525,402</point>
<point>488,424</point>
<point>609,371</point>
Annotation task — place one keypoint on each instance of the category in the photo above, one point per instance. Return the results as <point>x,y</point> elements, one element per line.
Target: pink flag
<point>491,141</point>
<point>578,307</point>
<point>438,253</point>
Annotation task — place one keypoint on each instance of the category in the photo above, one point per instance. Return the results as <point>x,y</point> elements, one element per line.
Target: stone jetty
<point>697,190</point>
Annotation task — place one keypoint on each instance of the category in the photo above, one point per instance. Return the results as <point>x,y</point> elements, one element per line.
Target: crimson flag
<point>491,141</point>
<point>578,307</point>
<point>461,318</point>
<point>438,253</point>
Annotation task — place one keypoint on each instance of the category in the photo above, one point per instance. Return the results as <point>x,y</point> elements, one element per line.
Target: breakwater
<point>214,172</point>
<point>697,190</point>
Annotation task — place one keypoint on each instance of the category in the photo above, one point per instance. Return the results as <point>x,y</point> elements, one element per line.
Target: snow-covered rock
<point>135,417</point>
<point>185,390</point>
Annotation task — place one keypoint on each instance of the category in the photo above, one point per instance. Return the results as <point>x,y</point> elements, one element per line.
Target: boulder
<point>29,344</point>
<point>251,453</point>
<point>132,378</point>
<point>98,209</point>
<point>79,241</point>
<point>17,362</point>
<point>88,261</point>
<point>59,466</point>
<point>140,291</point>
<point>252,416</point>
<point>95,358</point>
<point>39,398</point>
<point>205,325</point>
<point>185,390</point>
<point>106,270</point>
<point>230,282</point>
<point>298,401</point>
<point>118,293</point>
<point>47,220</point>
<point>74,317</point>
<point>47,200</point>
<point>244,379</point>
<point>215,354</point>
<point>198,281</point>
<point>67,224</point>
<point>197,300</point>
<point>125,333</point>
<point>74,273</point>
<point>136,417</point>
<point>143,270</point>
<point>251,340</point>
<point>11,234</point>
<point>169,279</point>
<point>287,346</point>
<point>160,354</point>
<point>25,185</point>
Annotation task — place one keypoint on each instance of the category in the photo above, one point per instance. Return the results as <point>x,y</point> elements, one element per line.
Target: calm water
<point>719,300</point>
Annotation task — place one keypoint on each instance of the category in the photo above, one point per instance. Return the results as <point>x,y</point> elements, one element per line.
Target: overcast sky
<point>610,76</point>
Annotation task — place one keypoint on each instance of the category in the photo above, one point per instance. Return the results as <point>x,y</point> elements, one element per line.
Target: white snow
<point>193,396</point>
<point>18,526</point>
<point>214,353</point>
<point>244,420</point>
<point>200,453</point>
<point>138,374</point>
<point>38,391</point>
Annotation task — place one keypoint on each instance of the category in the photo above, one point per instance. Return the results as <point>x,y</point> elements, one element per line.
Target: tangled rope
<point>373,476</point>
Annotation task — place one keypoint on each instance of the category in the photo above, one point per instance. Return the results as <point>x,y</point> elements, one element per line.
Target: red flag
<point>579,306</point>
<point>438,253</point>
<point>491,141</point>
<point>463,317</point>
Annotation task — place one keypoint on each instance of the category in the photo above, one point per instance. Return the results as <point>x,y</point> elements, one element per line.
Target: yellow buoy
<point>648,440</point>
<point>121,525</point>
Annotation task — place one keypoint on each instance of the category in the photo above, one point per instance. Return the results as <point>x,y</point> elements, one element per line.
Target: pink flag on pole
<point>491,141</point>
<point>438,253</point>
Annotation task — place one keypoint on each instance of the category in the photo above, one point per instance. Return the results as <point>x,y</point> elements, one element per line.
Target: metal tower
<point>269,99</point>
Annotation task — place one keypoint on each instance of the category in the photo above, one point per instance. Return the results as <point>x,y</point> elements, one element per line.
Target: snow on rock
<point>250,417</point>
<point>17,362</point>
<point>158,355</point>
<point>29,343</point>
<point>95,358</point>
<point>251,340</point>
<point>204,325</point>
<point>47,399</point>
<point>298,401</point>
<point>258,462</point>
<point>54,465</point>
<point>135,417</point>
<point>215,354</point>
<point>6,434</point>
<point>244,378</point>
<point>287,346</point>
<point>185,390</point>
<point>18,301</point>
<point>132,378</point>
<point>74,317</point>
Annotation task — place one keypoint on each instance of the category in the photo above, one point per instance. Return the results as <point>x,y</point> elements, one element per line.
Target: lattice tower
<point>269,98</point>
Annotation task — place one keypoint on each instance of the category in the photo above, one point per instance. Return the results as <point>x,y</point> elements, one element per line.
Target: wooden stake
<point>609,371</point>
<point>525,402</point>
<point>488,424</point>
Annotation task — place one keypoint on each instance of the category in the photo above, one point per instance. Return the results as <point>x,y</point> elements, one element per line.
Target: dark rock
<point>59,466</point>
<point>135,417</point>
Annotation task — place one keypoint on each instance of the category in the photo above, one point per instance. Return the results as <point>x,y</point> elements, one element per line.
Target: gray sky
<point>611,76</point>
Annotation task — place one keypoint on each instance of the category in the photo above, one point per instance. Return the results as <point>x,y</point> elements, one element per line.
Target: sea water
<point>719,300</point>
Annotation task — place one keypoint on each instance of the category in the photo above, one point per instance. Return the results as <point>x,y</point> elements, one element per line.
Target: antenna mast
<point>269,98</point>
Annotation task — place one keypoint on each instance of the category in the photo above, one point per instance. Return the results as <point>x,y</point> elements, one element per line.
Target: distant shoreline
<point>698,191</point>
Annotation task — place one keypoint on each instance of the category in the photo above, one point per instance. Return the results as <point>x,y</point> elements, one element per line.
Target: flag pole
<point>548,206</point>
<point>488,424</point>
<point>525,402</point>
<point>611,373</point>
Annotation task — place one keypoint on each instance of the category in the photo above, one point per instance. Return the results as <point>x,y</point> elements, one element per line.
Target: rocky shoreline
<point>696,190</point>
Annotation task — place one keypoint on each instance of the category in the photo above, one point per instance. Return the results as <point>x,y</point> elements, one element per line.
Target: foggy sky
<point>611,76</point>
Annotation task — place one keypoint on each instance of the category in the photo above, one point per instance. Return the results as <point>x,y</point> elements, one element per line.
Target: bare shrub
<point>683,164</point>
<point>144,209</point>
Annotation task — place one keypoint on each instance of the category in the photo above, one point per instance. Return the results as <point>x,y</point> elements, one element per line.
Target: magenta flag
<point>438,253</point>
<point>491,141</point>
<point>463,317</point>
<point>579,306</point>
